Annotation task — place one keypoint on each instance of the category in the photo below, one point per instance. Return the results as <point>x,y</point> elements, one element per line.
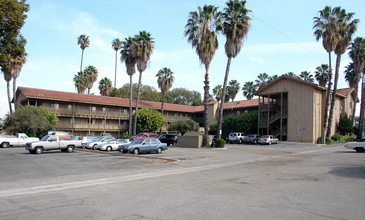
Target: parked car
<point>148,145</point>
<point>236,137</point>
<point>268,139</point>
<point>79,140</point>
<point>50,142</point>
<point>63,135</point>
<point>359,146</point>
<point>99,140</point>
<point>168,139</point>
<point>19,140</point>
<point>112,144</point>
<point>251,139</point>
<point>143,135</point>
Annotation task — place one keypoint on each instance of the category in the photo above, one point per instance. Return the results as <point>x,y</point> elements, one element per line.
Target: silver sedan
<point>112,144</point>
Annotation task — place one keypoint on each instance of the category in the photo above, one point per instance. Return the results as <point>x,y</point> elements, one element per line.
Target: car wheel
<point>94,147</point>
<point>277,142</point>
<point>359,149</point>
<point>31,151</point>
<point>109,148</point>
<point>159,150</point>
<point>255,142</point>
<point>38,150</point>
<point>231,142</point>
<point>5,144</point>
<point>269,142</point>
<point>69,149</point>
<point>240,141</point>
<point>135,151</point>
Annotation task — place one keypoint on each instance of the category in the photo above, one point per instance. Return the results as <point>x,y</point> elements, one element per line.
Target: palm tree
<point>217,92</point>
<point>346,27</point>
<point>235,26</point>
<point>272,78</point>
<point>165,79</point>
<point>233,88</point>
<point>291,74</point>
<point>142,49</point>
<point>321,74</point>
<point>307,76</point>
<point>84,42</point>
<point>248,89</point>
<point>81,81</point>
<point>105,86</point>
<point>357,54</point>
<point>16,66</point>
<point>201,30</point>
<point>262,80</point>
<point>324,27</point>
<point>130,64</point>
<point>116,44</point>
<point>92,74</point>
<point>8,76</point>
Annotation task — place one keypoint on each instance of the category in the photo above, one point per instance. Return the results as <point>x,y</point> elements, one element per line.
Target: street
<point>284,181</point>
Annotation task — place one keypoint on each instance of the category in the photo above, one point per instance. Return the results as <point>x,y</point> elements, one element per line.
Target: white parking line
<point>102,181</point>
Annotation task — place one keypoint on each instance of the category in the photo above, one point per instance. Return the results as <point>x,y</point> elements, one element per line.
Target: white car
<point>236,137</point>
<point>112,144</point>
<point>94,143</point>
<point>268,139</point>
<point>359,146</point>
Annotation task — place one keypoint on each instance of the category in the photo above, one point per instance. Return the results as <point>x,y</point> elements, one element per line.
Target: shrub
<point>345,124</point>
<point>184,126</point>
<point>219,143</point>
<point>336,137</point>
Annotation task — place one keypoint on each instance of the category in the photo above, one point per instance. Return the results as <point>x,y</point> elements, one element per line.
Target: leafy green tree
<point>235,26</point>
<point>81,82</point>
<point>185,97</point>
<point>141,49</point>
<point>345,124</point>
<point>248,89</point>
<point>32,120</point>
<point>247,122</point>
<point>12,43</point>
<point>201,30</point>
<point>147,93</point>
<point>149,120</point>
<point>84,42</point>
<point>184,126</point>
<point>105,86</point>
<point>116,44</point>
<point>130,64</point>
<point>92,75</point>
<point>321,74</point>
<point>229,125</point>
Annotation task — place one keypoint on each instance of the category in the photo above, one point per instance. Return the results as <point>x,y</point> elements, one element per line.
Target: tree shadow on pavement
<point>354,172</point>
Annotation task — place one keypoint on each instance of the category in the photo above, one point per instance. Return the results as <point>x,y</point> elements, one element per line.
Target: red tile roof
<point>345,91</point>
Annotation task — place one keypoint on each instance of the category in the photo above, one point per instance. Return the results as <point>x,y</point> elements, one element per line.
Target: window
<point>93,109</point>
<point>182,115</point>
<point>105,109</point>
<point>124,111</point>
<point>55,106</point>
<point>93,121</point>
<point>70,107</point>
<point>238,113</point>
<point>69,120</point>
<point>173,114</point>
<point>124,122</point>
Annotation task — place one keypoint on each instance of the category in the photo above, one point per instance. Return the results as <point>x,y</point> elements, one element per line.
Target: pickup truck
<point>19,140</point>
<point>50,142</point>
<point>143,135</point>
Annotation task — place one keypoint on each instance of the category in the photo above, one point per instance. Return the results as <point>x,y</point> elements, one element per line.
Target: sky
<point>279,41</point>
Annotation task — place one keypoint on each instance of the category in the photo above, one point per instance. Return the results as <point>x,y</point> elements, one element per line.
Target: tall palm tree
<point>81,81</point>
<point>116,44</point>
<point>357,54</point>
<point>352,79</point>
<point>201,30</point>
<point>248,89</point>
<point>321,74</point>
<point>217,92</point>
<point>291,74</point>
<point>272,78</point>
<point>235,26</point>
<point>346,27</point>
<point>92,74</point>
<point>142,49</point>
<point>105,86</point>
<point>16,66</point>
<point>130,64</point>
<point>84,42</point>
<point>262,80</point>
<point>233,88</point>
<point>8,76</point>
<point>165,79</point>
<point>307,76</point>
<point>324,27</point>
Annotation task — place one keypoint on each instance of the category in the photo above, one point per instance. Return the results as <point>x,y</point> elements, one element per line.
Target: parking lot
<point>284,181</point>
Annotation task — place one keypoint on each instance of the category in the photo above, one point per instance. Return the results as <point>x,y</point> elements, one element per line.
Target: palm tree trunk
<point>137,100</point>
<point>206,98</point>
<point>328,95</point>
<point>220,116</point>
<point>162,103</point>
<point>333,101</point>
<point>82,57</point>
<point>130,105</point>
<point>115,75</point>
<point>9,99</point>
<point>14,91</point>
<point>362,107</point>
<point>354,109</point>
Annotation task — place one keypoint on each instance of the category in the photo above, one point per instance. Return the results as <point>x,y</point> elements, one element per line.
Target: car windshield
<point>138,141</point>
<point>161,136</point>
<point>111,142</point>
<point>139,135</point>
<point>265,137</point>
<point>98,139</point>
<point>45,138</point>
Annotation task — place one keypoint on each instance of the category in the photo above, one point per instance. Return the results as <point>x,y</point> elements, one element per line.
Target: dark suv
<point>168,139</point>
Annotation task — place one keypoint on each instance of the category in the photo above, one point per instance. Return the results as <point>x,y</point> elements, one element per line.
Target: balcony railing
<point>90,126</point>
